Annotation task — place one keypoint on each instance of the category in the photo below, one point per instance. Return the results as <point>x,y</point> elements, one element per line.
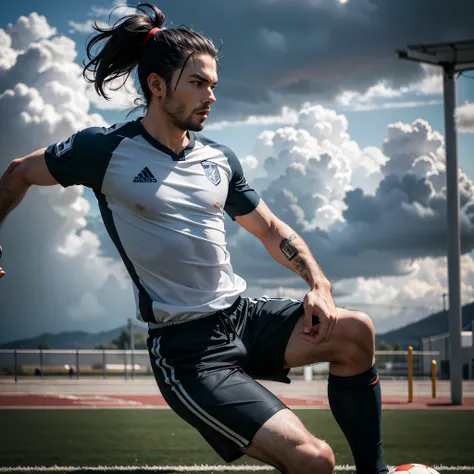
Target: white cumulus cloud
<point>57,275</point>
<point>465,118</point>
<point>103,16</point>
<point>374,218</point>
<point>288,116</point>
<point>29,29</point>
<point>122,95</point>
<point>383,96</point>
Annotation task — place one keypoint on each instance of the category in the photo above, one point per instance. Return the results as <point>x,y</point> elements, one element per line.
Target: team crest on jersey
<point>212,172</point>
<point>63,147</point>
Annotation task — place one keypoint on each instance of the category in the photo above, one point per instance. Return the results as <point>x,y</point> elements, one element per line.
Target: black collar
<point>163,148</point>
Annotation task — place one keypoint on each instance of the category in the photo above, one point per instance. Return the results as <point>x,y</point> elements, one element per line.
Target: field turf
<point>116,437</point>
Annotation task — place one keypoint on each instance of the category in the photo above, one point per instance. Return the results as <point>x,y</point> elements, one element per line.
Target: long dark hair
<point>121,48</point>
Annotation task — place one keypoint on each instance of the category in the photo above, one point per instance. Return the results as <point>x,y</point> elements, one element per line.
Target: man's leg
<point>196,366</point>
<point>284,442</point>
<point>237,415</point>
<point>354,387</point>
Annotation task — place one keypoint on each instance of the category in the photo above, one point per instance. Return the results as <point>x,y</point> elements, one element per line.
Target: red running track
<point>80,400</point>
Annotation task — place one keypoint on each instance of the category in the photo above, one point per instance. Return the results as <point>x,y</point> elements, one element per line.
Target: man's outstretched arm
<point>19,176</point>
<point>289,249</point>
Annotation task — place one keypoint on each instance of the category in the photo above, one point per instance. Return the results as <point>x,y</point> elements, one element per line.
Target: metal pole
<point>433,379</point>
<point>471,364</point>
<point>15,364</point>
<point>132,346</point>
<point>77,363</point>
<point>454,236</point>
<point>308,373</point>
<point>125,360</point>
<point>410,374</point>
<point>41,363</point>
<point>104,362</point>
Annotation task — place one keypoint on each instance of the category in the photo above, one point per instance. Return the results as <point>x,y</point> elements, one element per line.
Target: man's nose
<point>211,98</point>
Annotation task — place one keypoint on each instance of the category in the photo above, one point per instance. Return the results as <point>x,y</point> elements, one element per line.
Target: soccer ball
<point>413,469</point>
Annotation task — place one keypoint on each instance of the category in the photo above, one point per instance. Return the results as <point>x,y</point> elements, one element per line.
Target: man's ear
<point>157,85</point>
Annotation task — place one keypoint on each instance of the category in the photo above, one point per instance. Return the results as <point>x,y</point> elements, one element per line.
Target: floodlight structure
<point>454,58</point>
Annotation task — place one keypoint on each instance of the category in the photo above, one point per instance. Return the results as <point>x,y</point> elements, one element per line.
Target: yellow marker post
<point>410,374</point>
<point>433,378</point>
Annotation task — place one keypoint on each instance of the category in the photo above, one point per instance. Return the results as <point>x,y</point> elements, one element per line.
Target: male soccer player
<point>162,189</point>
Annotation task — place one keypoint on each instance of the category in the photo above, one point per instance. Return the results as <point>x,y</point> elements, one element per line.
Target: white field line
<point>195,468</point>
<point>88,407</point>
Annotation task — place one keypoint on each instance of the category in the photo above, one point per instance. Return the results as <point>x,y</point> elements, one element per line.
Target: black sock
<point>356,403</point>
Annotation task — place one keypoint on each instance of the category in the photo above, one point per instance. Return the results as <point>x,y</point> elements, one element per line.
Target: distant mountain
<point>409,335</point>
<point>70,339</point>
<point>433,325</point>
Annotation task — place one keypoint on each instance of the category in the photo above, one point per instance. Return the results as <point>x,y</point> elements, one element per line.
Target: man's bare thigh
<point>351,325</point>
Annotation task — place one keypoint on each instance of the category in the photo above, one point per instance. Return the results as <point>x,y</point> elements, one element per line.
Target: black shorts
<point>206,369</point>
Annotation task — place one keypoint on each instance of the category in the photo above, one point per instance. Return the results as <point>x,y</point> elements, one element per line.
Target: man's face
<point>188,101</point>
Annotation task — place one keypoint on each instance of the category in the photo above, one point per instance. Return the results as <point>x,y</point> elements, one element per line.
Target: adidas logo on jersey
<point>146,176</point>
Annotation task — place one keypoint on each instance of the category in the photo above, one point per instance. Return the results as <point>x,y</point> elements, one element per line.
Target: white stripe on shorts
<point>268,298</point>
<point>187,400</point>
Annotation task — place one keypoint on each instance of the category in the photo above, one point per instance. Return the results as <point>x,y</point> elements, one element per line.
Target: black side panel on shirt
<point>241,198</point>
<point>145,303</point>
<point>84,157</point>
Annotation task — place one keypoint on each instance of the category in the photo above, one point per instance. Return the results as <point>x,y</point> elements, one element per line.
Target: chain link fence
<point>22,363</point>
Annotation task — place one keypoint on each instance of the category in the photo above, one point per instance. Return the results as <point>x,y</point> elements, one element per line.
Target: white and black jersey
<point>164,213</point>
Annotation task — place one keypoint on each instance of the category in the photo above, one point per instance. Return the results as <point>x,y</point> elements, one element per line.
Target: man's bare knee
<point>311,457</point>
<point>314,456</point>
<point>285,443</point>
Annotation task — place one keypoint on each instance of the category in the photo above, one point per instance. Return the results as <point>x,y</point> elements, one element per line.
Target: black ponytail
<point>122,48</point>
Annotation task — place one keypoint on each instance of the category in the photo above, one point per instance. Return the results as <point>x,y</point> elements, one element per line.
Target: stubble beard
<point>176,114</point>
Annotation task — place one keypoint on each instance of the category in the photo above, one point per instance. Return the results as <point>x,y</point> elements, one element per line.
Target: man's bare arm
<point>284,245</point>
<point>289,249</point>
<point>19,176</point>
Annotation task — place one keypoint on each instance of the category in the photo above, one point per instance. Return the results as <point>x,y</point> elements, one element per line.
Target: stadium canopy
<point>454,58</point>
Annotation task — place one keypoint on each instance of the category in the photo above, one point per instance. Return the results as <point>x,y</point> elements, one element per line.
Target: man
<point>162,189</point>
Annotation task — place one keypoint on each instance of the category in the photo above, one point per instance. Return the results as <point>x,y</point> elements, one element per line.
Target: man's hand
<point>319,302</point>
<point>2,273</point>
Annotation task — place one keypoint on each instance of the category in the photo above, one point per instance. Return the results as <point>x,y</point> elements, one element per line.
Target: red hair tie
<point>150,34</point>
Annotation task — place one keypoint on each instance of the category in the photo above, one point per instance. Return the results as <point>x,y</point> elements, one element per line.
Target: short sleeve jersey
<point>164,212</point>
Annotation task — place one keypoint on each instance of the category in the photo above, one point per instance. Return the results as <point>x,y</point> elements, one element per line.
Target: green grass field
<point>116,437</point>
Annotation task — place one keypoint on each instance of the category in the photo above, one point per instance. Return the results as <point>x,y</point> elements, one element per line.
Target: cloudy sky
<point>344,141</point>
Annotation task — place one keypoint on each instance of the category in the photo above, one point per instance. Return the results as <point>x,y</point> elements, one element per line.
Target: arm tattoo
<point>290,252</point>
<point>302,268</point>
<point>288,249</point>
